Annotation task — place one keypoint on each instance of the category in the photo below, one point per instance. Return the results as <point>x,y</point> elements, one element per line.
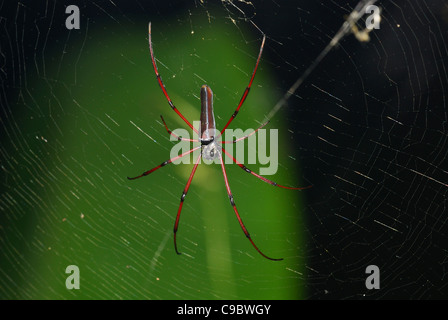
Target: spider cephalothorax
<point>211,150</point>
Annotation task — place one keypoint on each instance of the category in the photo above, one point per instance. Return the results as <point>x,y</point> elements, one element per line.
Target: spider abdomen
<point>208,126</point>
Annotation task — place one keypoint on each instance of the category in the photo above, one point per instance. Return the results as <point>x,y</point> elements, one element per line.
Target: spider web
<point>367,128</point>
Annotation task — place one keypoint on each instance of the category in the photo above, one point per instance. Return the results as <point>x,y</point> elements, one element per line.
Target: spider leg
<point>175,135</point>
<point>232,202</point>
<point>182,198</point>
<point>247,136</point>
<point>164,163</point>
<point>162,86</point>
<point>272,183</point>
<point>246,91</point>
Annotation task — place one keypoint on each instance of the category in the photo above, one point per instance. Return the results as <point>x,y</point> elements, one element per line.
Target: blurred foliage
<point>93,120</point>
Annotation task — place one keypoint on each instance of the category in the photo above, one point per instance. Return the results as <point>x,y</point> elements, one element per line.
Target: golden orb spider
<point>211,148</point>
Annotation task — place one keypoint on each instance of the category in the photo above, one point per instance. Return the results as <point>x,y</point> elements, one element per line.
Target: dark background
<point>368,129</point>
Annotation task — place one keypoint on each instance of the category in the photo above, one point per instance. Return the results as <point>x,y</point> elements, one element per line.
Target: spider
<point>211,148</point>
